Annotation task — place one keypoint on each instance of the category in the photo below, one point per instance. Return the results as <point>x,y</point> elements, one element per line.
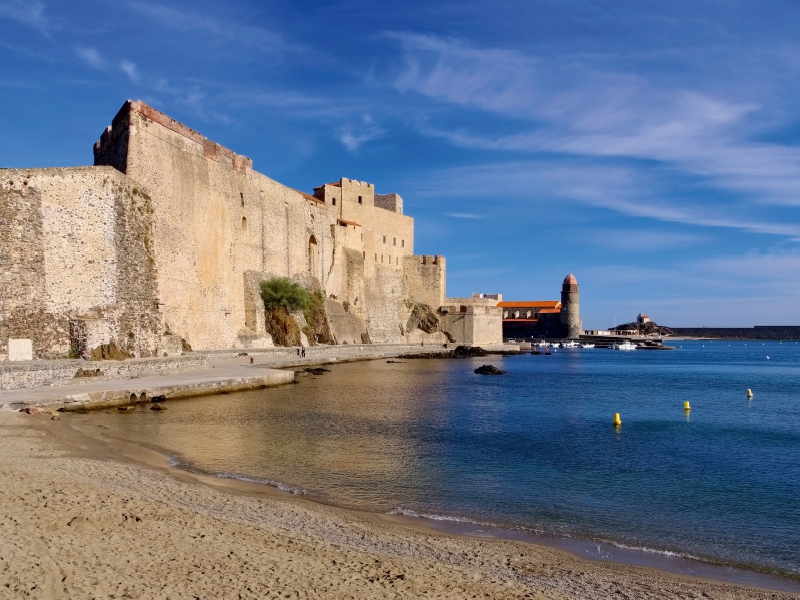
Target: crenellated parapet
<point>424,278</point>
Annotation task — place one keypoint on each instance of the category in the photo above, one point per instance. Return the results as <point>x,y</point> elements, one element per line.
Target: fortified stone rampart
<point>171,232</point>
<point>472,321</point>
<point>217,219</point>
<point>76,261</point>
<point>424,278</point>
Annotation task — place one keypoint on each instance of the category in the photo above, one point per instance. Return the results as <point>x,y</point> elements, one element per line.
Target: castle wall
<point>76,255</point>
<point>217,219</point>
<point>392,202</point>
<point>482,324</point>
<point>472,321</point>
<point>424,279</point>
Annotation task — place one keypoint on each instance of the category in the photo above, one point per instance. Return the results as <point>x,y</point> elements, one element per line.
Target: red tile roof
<point>310,197</point>
<point>526,304</point>
<point>550,311</point>
<point>343,222</point>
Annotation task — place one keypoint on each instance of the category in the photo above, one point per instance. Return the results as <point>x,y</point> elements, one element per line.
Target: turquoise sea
<point>533,450</point>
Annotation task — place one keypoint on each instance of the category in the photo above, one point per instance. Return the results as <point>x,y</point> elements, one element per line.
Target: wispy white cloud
<point>621,189</point>
<point>460,215</point>
<point>571,108</point>
<point>130,70</point>
<point>353,136</point>
<point>231,32</point>
<point>31,13</point>
<point>91,57</point>
<point>642,239</point>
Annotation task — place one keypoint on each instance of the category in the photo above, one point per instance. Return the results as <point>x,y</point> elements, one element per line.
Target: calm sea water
<point>533,449</point>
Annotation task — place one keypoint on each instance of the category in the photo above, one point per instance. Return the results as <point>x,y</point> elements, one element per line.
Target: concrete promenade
<point>223,372</point>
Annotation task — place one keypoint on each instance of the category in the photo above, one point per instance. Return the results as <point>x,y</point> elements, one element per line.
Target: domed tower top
<point>569,282</point>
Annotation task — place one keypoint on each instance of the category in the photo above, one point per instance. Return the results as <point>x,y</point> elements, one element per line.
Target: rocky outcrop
<point>282,327</point>
<point>422,317</point>
<point>109,352</point>
<point>489,370</point>
<point>467,352</point>
<point>317,329</point>
<point>88,373</point>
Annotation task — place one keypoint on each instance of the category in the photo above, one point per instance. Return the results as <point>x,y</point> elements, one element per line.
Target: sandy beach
<point>80,523</point>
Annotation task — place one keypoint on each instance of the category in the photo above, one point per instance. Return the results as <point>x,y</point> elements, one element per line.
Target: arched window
<point>244,224</point>
<point>313,268</point>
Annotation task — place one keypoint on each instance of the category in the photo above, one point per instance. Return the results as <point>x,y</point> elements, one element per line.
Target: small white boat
<point>627,345</point>
<point>555,345</point>
<point>542,345</point>
<point>587,345</point>
<point>570,344</point>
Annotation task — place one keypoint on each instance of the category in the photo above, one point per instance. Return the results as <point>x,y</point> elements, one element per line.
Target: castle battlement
<point>430,259</point>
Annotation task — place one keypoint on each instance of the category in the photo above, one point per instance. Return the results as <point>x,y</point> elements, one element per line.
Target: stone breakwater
<point>741,333</point>
<point>179,377</point>
<point>43,373</point>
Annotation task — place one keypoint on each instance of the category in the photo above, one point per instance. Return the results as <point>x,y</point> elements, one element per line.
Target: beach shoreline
<point>42,458</point>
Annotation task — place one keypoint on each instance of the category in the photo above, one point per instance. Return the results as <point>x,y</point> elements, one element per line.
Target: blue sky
<point>650,148</point>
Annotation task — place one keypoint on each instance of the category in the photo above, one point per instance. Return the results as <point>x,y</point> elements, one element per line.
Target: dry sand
<point>77,524</point>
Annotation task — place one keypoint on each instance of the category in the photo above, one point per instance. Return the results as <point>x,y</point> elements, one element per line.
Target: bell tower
<point>570,308</point>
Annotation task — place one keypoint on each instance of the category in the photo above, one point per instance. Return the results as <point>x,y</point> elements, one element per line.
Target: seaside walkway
<point>222,371</point>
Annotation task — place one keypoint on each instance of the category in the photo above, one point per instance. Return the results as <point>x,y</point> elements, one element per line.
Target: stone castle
<point>169,235</point>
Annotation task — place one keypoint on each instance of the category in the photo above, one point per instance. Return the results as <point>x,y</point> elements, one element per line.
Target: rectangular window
<point>384,239</point>
<point>402,243</point>
<point>394,241</point>
<point>381,258</point>
<point>359,199</point>
<point>376,257</point>
<point>365,255</point>
<point>334,201</point>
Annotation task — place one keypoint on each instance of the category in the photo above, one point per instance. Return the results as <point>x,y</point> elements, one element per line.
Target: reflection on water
<point>534,448</point>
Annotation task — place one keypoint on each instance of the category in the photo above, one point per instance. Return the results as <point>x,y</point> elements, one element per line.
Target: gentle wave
<point>284,487</point>
<point>661,552</point>
<point>407,512</point>
<point>175,462</point>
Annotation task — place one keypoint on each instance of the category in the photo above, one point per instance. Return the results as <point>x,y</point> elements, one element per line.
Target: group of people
<point>301,351</point>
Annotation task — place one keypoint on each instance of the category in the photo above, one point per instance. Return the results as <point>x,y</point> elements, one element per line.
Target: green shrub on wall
<point>282,292</point>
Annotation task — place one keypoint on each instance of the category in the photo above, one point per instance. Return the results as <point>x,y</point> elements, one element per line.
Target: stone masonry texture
<point>76,244</point>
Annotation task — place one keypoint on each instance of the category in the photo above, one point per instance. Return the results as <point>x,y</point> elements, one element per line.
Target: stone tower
<point>570,308</point>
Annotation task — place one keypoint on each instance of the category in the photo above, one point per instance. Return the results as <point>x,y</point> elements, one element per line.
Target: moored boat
<point>626,345</point>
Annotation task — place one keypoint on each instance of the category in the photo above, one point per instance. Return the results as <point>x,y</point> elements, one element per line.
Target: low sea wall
<point>38,373</point>
<point>759,332</point>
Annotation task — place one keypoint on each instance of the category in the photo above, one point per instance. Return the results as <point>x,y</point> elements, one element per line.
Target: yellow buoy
<point>749,393</point>
<point>686,406</point>
<point>617,421</point>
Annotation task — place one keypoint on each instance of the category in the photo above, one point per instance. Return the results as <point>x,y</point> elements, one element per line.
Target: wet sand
<point>88,518</point>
